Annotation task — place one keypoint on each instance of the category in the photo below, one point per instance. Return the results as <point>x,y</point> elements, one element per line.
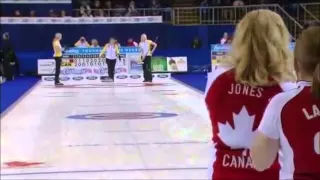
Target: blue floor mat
<point>197,80</point>
<point>11,91</point>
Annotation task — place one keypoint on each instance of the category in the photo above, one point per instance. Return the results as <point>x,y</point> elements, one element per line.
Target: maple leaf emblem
<point>242,134</point>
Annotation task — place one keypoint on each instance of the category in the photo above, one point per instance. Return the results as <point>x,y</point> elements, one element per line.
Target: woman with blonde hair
<point>57,56</point>
<point>111,51</point>
<point>291,122</point>
<point>259,67</point>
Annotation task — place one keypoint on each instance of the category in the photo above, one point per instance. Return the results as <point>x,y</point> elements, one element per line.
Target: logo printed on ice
<point>49,78</point>
<point>64,78</point>
<point>135,76</point>
<point>122,76</point>
<point>91,77</point>
<point>162,76</point>
<point>78,78</point>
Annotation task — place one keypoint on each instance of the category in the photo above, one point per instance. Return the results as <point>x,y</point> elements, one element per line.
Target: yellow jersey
<point>111,51</point>
<point>57,48</point>
<point>146,47</point>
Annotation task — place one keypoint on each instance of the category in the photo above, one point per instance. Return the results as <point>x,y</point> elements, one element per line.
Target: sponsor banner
<point>81,20</point>
<point>135,67</point>
<point>169,64</point>
<point>219,52</point>
<point>46,66</point>
<point>94,52</point>
<point>159,64</point>
<point>220,48</point>
<point>84,62</point>
<point>177,64</point>
<point>71,71</point>
<point>77,61</point>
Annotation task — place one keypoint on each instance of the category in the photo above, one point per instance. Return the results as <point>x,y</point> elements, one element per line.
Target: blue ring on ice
<point>122,116</point>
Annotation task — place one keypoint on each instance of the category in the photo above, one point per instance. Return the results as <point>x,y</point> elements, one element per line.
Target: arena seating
<point>181,25</point>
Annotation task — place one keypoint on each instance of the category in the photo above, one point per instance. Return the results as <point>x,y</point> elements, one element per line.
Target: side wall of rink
<point>84,66</point>
<point>38,37</point>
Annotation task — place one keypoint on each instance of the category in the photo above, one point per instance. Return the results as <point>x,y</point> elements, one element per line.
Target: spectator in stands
<point>155,7</point>
<point>85,10</point>
<point>97,4</point>
<point>204,3</point>
<point>132,4</point>
<point>99,13</point>
<point>97,8</point>
<point>82,43</point>
<point>225,38</point>
<point>204,8</point>
<point>238,3</point>
<point>227,13</point>
<point>63,13</point>
<point>94,43</point>
<point>119,10</point>
<point>132,12</point>
<point>32,13</point>
<point>238,12</point>
<point>196,43</point>
<point>132,9</point>
<point>108,6</point>
<point>17,13</point>
<point>131,42</point>
<point>216,2</point>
